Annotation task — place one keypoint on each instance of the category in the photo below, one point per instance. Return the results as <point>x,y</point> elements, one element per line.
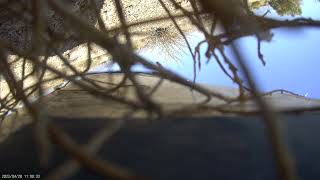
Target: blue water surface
<point>292,58</point>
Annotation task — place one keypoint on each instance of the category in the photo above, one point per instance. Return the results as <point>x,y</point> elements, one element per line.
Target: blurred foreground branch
<point>27,70</point>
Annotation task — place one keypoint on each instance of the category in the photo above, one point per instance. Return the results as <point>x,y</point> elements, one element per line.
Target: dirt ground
<point>73,102</point>
<point>135,11</point>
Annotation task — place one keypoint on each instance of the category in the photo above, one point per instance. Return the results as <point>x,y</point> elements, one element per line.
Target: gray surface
<point>201,148</point>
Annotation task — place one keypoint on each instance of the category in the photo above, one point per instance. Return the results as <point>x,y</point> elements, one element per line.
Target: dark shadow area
<point>184,148</point>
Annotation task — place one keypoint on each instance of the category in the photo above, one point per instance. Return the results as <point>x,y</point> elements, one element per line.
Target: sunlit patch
<point>168,43</point>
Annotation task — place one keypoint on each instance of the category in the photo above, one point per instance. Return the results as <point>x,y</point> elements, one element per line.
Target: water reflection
<point>291,56</point>
<point>298,8</point>
<point>282,7</point>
